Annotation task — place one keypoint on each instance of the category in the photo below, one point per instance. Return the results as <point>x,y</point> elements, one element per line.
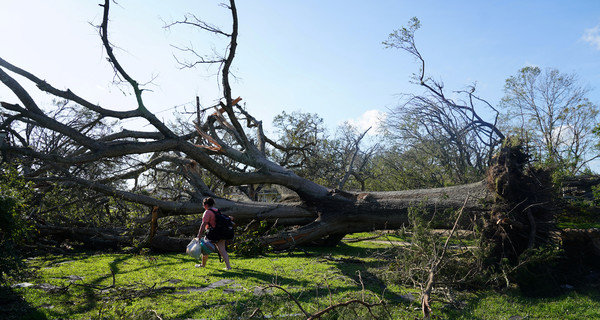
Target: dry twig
<point>426,296</point>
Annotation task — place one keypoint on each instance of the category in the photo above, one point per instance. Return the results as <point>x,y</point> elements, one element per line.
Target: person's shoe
<point>199,266</point>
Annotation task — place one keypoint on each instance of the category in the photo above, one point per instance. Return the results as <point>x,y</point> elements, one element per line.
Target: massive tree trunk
<point>338,214</point>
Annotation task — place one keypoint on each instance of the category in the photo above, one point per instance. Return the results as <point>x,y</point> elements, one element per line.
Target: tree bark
<point>339,214</point>
<point>343,212</point>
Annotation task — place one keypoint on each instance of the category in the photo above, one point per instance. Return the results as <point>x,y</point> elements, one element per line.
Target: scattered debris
<point>22,285</point>
<point>408,297</point>
<point>174,281</point>
<point>259,291</point>
<point>218,284</point>
<point>342,259</point>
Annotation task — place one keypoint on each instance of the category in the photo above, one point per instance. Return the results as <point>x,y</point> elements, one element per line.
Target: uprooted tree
<point>229,144</point>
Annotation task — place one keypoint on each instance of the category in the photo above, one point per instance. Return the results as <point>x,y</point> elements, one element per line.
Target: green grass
<point>170,286</point>
<point>578,225</point>
<point>579,215</point>
<point>461,238</point>
<point>491,305</point>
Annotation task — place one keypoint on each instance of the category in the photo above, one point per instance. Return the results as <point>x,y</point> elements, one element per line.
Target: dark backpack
<point>223,229</point>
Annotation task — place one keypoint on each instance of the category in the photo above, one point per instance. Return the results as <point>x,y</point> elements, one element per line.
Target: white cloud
<point>592,36</point>
<point>371,118</point>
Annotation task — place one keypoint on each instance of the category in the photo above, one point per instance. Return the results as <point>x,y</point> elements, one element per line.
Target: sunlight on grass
<point>171,285</point>
<point>578,225</point>
<point>80,286</point>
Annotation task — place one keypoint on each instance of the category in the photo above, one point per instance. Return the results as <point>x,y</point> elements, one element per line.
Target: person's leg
<point>221,246</point>
<point>204,259</point>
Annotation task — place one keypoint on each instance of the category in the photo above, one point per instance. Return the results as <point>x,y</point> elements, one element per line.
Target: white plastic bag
<point>193,249</point>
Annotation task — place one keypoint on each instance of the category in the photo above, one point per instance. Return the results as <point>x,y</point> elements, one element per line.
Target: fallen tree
<point>79,152</point>
<point>349,213</point>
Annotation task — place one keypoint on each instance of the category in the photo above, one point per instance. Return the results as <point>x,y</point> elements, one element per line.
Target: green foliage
<point>302,141</point>
<point>14,229</point>
<point>538,273</point>
<point>412,266</point>
<point>10,260</point>
<point>425,157</point>
<point>404,38</point>
<point>580,214</point>
<point>413,262</point>
<point>339,161</point>
<point>59,205</point>
<point>596,193</point>
<point>550,110</point>
<point>247,242</point>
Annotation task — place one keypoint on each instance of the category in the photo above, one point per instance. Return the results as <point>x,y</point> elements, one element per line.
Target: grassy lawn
<point>169,286</point>
<point>577,225</point>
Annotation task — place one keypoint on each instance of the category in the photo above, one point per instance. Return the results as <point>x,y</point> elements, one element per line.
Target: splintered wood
<point>214,145</point>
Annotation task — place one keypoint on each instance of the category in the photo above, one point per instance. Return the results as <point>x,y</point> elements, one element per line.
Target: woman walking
<point>209,224</point>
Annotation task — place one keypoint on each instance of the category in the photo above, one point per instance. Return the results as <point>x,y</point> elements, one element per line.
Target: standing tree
<point>551,111</point>
<point>430,130</point>
<point>301,144</point>
<point>304,147</point>
<point>355,162</point>
<point>451,133</point>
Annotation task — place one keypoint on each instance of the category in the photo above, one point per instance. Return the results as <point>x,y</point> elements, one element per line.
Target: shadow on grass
<point>87,296</point>
<point>353,262</point>
<point>311,294</point>
<point>249,297</point>
<point>13,306</point>
<point>360,270</point>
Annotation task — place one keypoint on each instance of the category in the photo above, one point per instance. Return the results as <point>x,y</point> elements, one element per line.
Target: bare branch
<point>486,132</point>
<point>192,20</point>
<point>350,167</point>
<point>201,59</point>
<point>426,304</point>
<point>121,71</point>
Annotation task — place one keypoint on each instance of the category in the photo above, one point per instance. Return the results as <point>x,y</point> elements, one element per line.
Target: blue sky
<point>322,57</point>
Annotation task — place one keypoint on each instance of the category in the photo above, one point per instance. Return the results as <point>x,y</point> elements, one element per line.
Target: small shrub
<point>247,241</point>
<point>412,263</point>
<point>537,273</point>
